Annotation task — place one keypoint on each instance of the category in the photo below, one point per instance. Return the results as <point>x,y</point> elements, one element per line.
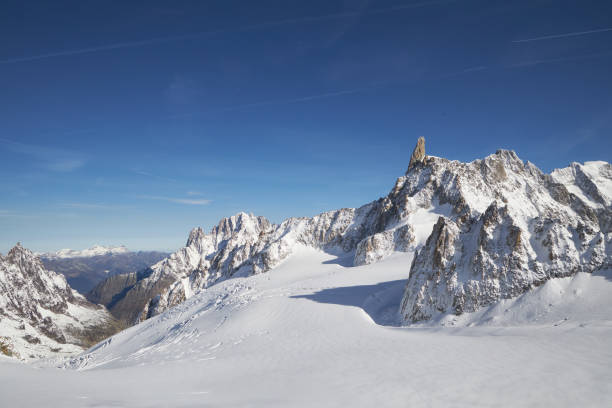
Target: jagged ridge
<point>505,227</point>
<point>512,228</point>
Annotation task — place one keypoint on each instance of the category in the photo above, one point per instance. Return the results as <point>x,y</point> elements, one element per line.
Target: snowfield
<point>314,332</point>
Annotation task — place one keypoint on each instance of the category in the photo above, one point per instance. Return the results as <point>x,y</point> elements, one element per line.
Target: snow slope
<point>313,332</point>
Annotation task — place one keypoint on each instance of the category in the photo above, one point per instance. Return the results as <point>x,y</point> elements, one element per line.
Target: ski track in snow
<point>314,333</point>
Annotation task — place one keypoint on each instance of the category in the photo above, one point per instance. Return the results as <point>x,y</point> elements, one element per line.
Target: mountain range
<point>85,269</point>
<point>480,232</point>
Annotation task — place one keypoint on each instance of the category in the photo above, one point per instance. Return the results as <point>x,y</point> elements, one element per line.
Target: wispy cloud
<point>91,206</point>
<point>66,164</point>
<point>126,44</point>
<point>194,193</point>
<point>564,35</point>
<point>465,71</point>
<point>246,28</point>
<point>7,215</point>
<point>151,175</point>
<point>50,158</point>
<point>15,214</point>
<point>188,201</point>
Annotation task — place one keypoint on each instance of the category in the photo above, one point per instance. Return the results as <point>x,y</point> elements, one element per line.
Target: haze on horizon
<point>131,123</point>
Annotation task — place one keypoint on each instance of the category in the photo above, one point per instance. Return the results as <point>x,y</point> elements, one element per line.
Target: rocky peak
<point>418,154</point>
<point>242,224</point>
<point>20,255</point>
<point>196,235</point>
<point>511,228</point>
<point>18,248</point>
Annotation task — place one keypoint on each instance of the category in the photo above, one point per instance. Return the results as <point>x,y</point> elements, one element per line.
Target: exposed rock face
<point>418,154</point>
<point>109,291</point>
<point>511,229</point>
<point>40,314</point>
<point>380,245</point>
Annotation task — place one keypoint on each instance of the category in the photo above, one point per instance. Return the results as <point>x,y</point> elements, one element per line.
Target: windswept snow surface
<point>312,332</point>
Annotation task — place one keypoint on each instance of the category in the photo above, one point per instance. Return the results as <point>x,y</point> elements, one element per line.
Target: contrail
<point>252,27</point>
<point>574,34</point>
<point>282,101</point>
<point>563,59</point>
<point>128,44</point>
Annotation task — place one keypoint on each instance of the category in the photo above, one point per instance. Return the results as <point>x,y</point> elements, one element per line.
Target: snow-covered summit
<point>96,250</point>
<point>511,229</point>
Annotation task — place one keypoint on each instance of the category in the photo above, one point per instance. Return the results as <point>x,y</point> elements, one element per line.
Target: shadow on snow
<point>380,301</point>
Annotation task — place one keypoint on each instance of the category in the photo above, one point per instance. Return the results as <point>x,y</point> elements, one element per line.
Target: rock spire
<point>418,154</point>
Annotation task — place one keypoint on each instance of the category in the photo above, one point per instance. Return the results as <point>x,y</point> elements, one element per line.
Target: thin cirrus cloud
<point>561,59</point>
<point>252,27</point>
<point>187,201</point>
<point>284,101</point>
<point>564,35</point>
<point>10,214</point>
<point>153,176</point>
<point>91,206</point>
<point>50,158</point>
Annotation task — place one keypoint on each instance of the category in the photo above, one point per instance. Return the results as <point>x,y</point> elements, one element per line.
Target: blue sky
<point>129,122</point>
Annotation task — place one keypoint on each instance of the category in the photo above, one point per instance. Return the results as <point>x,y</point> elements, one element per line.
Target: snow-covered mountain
<point>511,229</point>
<point>243,245</point>
<point>484,231</point>
<point>96,250</point>
<point>516,261</point>
<point>40,314</point>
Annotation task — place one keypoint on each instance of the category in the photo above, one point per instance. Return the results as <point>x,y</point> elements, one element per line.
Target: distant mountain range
<point>96,250</point>
<point>85,269</point>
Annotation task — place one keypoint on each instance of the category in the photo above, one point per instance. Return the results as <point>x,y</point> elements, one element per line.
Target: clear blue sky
<point>130,122</point>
